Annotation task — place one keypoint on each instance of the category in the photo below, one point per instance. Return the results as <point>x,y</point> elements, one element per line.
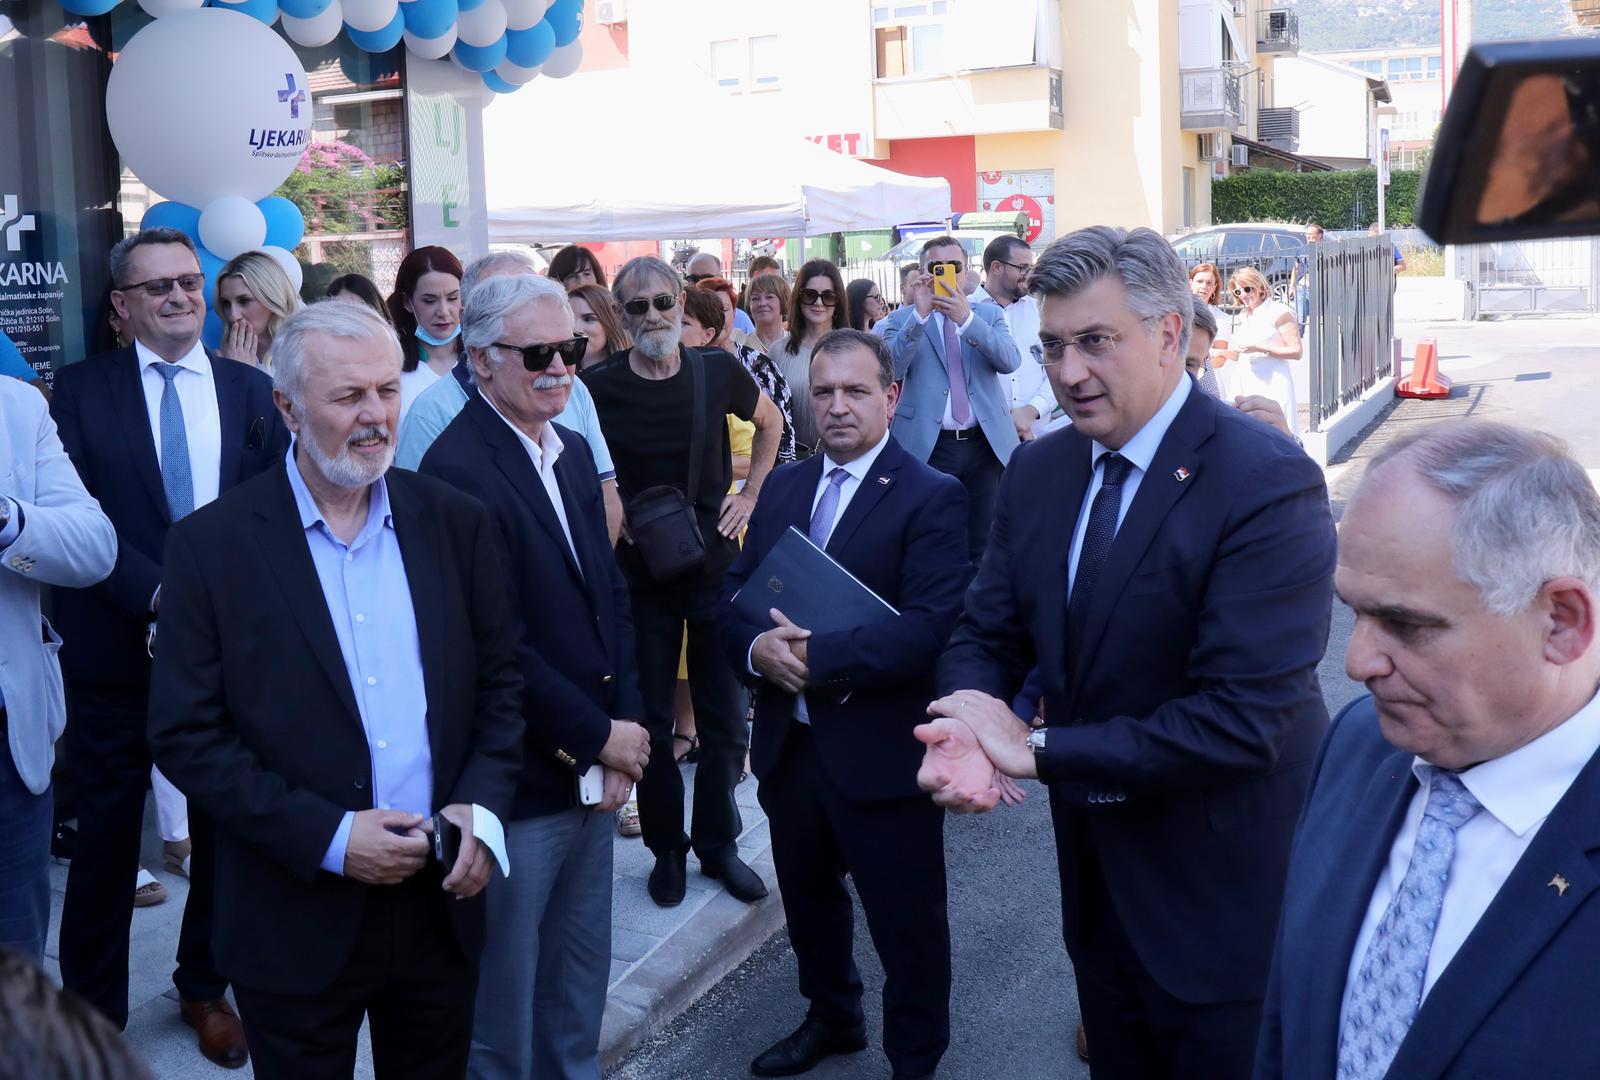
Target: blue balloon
<point>429,19</point>
<point>264,10</point>
<point>303,9</point>
<point>210,266</point>
<point>211,331</point>
<point>89,7</point>
<point>494,82</point>
<point>378,41</point>
<point>173,215</point>
<point>286,226</point>
<point>566,19</point>
<point>468,5</point>
<point>481,58</point>
<point>531,47</point>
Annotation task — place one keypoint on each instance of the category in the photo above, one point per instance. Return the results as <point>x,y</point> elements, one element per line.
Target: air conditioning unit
<point>1210,146</point>
<point>1239,154</point>
<point>611,12</point>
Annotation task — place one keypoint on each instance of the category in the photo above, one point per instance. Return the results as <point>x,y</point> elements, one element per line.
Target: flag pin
<point>884,480</point>
<point>1180,474</point>
<point>1560,885</point>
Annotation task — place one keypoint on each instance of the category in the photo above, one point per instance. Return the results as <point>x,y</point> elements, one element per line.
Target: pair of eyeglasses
<point>875,296</point>
<point>537,357</point>
<point>661,302</point>
<point>1094,344</point>
<point>1248,289</point>
<point>1021,268</point>
<point>161,286</point>
<point>827,297</point>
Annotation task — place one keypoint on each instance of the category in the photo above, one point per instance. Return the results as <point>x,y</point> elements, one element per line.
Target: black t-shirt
<point>647,427</point>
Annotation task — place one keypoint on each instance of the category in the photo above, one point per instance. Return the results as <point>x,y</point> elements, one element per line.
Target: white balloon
<point>231,226</point>
<point>431,48</point>
<point>370,16</point>
<point>291,266</point>
<point>523,14</point>
<point>157,9</point>
<point>483,25</point>
<point>317,31</point>
<point>257,114</point>
<point>511,73</point>
<point>564,61</point>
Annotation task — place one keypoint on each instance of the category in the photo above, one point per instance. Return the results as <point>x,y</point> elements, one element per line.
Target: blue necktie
<point>1101,530</point>
<point>176,478</point>
<point>827,508</point>
<point>1388,988</point>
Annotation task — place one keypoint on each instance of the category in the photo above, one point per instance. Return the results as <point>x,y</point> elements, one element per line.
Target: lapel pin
<point>1560,885</point>
<point>1180,474</point>
<point>884,480</point>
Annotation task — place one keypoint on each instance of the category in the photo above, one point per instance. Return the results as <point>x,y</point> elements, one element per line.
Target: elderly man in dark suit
<point>834,713</point>
<point>1443,906</point>
<point>1174,592</point>
<point>156,430</point>
<point>337,664</point>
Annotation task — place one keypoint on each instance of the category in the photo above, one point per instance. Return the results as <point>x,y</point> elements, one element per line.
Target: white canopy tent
<point>545,183</point>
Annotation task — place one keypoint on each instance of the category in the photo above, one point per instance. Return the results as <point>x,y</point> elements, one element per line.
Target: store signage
<point>848,143</point>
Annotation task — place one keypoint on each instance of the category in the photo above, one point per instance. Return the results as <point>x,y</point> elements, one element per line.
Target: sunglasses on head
<point>827,297</point>
<point>661,302</point>
<point>537,357</point>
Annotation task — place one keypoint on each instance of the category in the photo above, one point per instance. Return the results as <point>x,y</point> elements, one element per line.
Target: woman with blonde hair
<point>766,299</point>
<point>254,296</point>
<point>1266,337</point>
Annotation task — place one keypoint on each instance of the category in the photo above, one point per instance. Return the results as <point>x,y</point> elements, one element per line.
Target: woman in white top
<point>426,309</point>
<point>1266,337</point>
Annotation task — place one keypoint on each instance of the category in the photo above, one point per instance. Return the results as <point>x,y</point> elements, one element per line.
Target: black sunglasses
<point>827,297</point>
<point>159,287</point>
<point>695,279</point>
<point>537,357</point>
<point>661,302</point>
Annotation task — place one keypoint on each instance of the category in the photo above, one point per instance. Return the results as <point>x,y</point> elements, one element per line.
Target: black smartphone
<point>446,841</point>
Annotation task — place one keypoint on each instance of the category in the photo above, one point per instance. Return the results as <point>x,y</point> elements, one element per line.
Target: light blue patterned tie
<point>1388,988</point>
<point>176,477</point>
<point>827,508</point>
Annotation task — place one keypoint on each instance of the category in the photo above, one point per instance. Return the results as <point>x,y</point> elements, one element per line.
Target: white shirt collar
<point>861,466</point>
<point>545,452</point>
<point>1522,787</point>
<point>1141,449</point>
<point>195,359</point>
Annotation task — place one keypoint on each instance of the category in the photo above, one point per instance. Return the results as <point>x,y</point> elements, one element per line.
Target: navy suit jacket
<point>99,407</point>
<point>1183,702</point>
<point>575,642</point>
<point>1519,994</point>
<point>904,535</point>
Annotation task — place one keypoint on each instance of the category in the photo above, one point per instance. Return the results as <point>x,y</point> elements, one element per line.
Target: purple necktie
<point>827,508</point>
<point>960,404</point>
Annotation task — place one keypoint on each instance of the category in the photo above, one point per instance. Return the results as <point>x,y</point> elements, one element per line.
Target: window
<point>927,49</point>
<point>725,65</point>
<point>1434,67</point>
<point>909,39</point>
<point>1236,244</point>
<point>765,58</point>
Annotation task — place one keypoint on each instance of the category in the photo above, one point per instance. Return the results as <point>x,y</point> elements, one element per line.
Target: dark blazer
<point>1183,704</point>
<point>1518,995</point>
<point>904,535</point>
<point>575,641</point>
<point>253,717</point>
<point>99,406</point>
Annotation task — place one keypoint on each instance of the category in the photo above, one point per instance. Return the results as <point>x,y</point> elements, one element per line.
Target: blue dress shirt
<point>12,363</point>
<point>369,598</point>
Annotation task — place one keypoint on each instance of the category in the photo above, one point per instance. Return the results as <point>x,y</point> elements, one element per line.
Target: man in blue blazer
<point>1442,915</point>
<point>156,430</point>
<point>834,712</point>
<point>952,412</point>
<point>1174,591</point>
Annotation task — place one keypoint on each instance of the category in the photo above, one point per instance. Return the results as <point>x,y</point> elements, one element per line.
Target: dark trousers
<point>967,456</point>
<point>111,760</point>
<point>659,616</point>
<point>407,975</point>
<point>894,852</point>
<point>1138,1031</point>
<point>24,859</point>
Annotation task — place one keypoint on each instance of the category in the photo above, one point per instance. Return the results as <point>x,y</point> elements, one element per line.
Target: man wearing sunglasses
<point>156,430</point>
<point>537,1015</point>
<point>950,354</point>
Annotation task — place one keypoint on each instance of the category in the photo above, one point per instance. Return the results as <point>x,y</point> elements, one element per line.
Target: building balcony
<point>1279,128</point>
<point>1278,31</point>
<point>1213,100</point>
<point>993,101</point>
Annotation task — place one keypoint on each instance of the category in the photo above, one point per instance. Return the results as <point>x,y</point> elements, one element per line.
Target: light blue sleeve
<point>743,322</point>
<point>580,415</point>
<point>12,363</point>
<point>333,861</point>
<point>430,414</point>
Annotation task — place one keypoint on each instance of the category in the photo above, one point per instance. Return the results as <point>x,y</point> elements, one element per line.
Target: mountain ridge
<point>1341,25</point>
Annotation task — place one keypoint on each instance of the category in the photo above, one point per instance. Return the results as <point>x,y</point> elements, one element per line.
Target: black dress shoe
<point>741,882</point>
<point>669,879</point>
<point>811,1042</point>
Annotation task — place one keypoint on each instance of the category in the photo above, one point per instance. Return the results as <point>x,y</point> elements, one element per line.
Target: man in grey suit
<point>951,412</point>
<point>51,533</point>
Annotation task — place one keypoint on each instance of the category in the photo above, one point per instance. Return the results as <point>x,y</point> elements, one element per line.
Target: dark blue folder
<point>800,580</point>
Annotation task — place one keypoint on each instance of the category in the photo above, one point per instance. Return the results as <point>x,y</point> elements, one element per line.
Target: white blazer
<point>65,540</point>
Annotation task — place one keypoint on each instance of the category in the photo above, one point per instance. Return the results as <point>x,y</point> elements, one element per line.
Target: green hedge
<point>1334,200</point>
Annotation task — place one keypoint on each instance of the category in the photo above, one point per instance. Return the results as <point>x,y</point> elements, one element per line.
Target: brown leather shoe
<point>221,1034</point>
<point>1083,1043</point>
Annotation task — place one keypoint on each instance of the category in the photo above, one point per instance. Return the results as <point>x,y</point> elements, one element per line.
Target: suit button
<point>1122,796</point>
<point>606,680</point>
<point>1094,796</point>
<point>361,785</point>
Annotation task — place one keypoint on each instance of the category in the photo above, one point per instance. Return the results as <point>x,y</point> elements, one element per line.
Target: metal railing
<point>1349,339</point>
<point>1212,99</point>
<point>1277,30</point>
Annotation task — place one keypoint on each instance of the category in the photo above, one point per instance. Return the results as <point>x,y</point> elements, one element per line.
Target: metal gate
<point>1350,335</point>
<point>1534,277</point>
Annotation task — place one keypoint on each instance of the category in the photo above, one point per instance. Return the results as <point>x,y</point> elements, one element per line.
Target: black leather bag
<point>662,520</point>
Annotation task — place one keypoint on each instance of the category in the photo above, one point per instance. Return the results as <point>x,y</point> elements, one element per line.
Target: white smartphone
<point>592,786</point>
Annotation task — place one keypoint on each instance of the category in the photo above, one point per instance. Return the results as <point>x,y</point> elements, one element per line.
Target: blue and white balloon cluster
<point>508,42</point>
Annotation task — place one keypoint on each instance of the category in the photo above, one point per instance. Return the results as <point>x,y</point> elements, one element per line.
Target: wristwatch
<point>1036,740</point>
<point>5,512</point>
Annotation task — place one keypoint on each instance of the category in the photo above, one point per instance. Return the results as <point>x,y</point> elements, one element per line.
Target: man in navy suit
<point>542,987</point>
<point>834,712</point>
<point>1174,591</point>
<point>156,431</point>
<point>1442,915</point>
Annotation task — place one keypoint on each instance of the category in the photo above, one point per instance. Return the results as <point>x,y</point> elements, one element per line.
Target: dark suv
<point>1270,247</point>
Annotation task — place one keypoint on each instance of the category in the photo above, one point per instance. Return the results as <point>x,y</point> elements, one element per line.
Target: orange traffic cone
<point>1424,380</point>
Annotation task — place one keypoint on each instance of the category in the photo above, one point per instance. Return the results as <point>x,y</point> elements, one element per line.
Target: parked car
<point>1270,247</point>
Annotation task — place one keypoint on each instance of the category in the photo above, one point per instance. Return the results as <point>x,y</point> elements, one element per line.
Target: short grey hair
<point>1526,511</point>
<point>122,253</point>
<point>331,318</point>
<point>1205,322</point>
<point>1145,263</point>
<point>642,268</point>
<point>484,316</point>
<point>496,262</point>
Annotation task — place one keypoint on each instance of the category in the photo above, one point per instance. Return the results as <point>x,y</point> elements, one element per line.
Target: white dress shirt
<point>1140,451</point>
<point>1517,792</point>
<point>544,455</point>
<point>934,322</point>
<point>1027,385</point>
<point>202,421</point>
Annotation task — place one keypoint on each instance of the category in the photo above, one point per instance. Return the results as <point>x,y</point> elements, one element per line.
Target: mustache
<point>552,382</point>
<point>380,433</point>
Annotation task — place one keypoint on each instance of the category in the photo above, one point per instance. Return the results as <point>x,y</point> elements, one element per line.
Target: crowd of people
<point>399,602</point>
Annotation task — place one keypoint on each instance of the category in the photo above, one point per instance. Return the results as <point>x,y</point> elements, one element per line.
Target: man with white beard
<point>336,681</point>
<point>647,400</point>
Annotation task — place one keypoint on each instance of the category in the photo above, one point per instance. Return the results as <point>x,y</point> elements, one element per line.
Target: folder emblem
<point>775,584</point>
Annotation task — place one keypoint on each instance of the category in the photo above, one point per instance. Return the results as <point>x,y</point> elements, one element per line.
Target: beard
<point>345,469</point>
<point>659,342</point>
